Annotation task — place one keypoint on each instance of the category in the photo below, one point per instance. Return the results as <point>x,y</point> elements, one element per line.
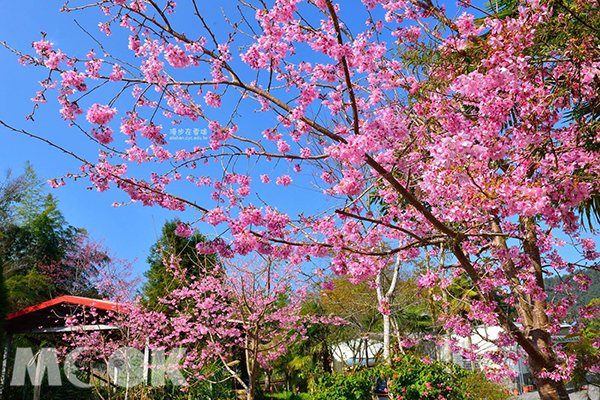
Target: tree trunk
<point>548,389</point>
<point>540,338</point>
<point>551,390</point>
<point>250,391</point>
<point>385,299</point>
<point>449,355</point>
<point>386,338</point>
<point>366,352</point>
<point>326,359</point>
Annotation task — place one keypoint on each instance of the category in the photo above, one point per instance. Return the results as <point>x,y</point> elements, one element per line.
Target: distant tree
<point>171,247</point>
<point>587,346</point>
<point>10,192</point>
<point>37,231</point>
<point>393,299</point>
<point>355,303</point>
<point>80,267</point>
<point>400,304</point>
<point>43,238</point>
<point>27,289</point>
<point>307,360</point>
<point>582,286</point>
<point>41,254</point>
<point>32,196</point>
<point>243,320</point>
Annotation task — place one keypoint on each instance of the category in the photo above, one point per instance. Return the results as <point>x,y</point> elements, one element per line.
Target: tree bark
<point>366,352</point>
<point>533,337</point>
<point>548,389</point>
<point>251,384</point>
<point>540,338</point>
<point>326,359</point>
<point>386,338</point>
<point>551,390</point>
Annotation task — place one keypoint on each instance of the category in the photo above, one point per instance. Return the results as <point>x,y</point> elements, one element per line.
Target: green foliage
<point>408,377</point>
<point>31,196</point>
<point>502,8</point>
<point>43,239</point>
<point>33,235</point>
<point>197,389</point>
<point>290,396</point>
<point>414,378</point>
<point>586,348</point>
<point>4,307</point>
<point>583,298</point>
<point>356,385</point>
<point>35,230</point>
<point>590,211</point>
<point>479,386</point>
<point>27,289</point>
<point>66,391</point>
<point>10,193</point>
<point>307,360</point>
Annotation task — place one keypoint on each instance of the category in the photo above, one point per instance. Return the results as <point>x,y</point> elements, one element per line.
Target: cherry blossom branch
<point>349,84</point>
<point>116,177</point>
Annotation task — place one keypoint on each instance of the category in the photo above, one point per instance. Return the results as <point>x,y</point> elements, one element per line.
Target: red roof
<point>50,313</point>
<point>74,300</point>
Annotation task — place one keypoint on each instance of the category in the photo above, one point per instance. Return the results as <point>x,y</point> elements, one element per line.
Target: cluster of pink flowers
<point>42,46</point>
<point>103,134</point>
<point>183,230</point>
<point>176,56</point>
<point>100,114</point>
<point>74,79</point>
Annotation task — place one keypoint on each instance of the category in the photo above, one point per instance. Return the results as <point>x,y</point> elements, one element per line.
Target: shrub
<point>410,377</point>
<point>346,386</point>
<point>414,378</point>
<point>480,387</point>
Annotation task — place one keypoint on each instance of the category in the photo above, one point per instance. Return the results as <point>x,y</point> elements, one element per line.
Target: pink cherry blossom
<point>100,114</point>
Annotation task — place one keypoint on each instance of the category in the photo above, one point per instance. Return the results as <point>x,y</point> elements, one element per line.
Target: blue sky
<point>128,231</point>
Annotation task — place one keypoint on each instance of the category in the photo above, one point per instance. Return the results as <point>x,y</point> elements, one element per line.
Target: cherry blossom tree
<point>469,152</point>
<point>83,265</point>
<point>242,318</point>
